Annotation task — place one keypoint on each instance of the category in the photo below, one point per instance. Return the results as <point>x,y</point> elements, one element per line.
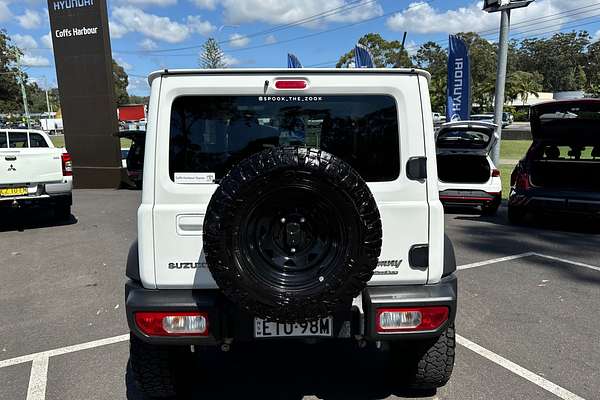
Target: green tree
<point>54,96</point>
<point>593,90</point>
<point>560,59</point>
<point>433,58</point>
<point>36,98</point>
<point>133,99</point>
<point>10,91</point>
<point>592,67</point>
<point>523,84</point>
<point>121,81</point>
<point>212,57</point>
<point>385,53</point>
<point>514,57</point>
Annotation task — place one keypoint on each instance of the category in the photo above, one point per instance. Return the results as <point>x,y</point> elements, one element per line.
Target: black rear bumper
<point>228,321</point>
<point>37,201</point>
<point>566,202</point>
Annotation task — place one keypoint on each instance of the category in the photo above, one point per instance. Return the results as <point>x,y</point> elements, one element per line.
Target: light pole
<point>21,78</point>
<point>47,97</point>
<point>504,7</point>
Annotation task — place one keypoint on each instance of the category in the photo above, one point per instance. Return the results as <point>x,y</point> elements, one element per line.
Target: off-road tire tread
<point>153,368</point>
<point>435,367</point>
<point>425,365</point>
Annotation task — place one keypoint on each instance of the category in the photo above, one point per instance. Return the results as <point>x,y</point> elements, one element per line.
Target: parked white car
<point>507,118</point>
<point>467,175</point>
<point>34,172</point>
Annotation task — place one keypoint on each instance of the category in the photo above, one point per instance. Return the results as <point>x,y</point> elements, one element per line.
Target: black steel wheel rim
<point>292,238</point>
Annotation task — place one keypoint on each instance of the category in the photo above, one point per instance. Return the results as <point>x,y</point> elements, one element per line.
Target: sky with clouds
<point>147,35</point>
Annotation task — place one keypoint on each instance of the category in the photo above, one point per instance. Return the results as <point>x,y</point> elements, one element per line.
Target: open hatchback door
<point>466,137</point>
<point>567,122</point>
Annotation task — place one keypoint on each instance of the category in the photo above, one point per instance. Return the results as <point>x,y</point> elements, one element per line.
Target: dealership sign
<point>83,59</point>
<point>66,4</point>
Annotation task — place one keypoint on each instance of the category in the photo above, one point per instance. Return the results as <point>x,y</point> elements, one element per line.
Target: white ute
<point>290,206</point>
<point>34,172</point>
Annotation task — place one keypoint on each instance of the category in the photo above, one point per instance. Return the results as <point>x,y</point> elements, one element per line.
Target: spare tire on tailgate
<point>292,233</point>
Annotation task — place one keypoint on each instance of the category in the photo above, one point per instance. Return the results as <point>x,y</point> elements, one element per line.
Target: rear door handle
<point>10,158</point>
<point>190,224</point>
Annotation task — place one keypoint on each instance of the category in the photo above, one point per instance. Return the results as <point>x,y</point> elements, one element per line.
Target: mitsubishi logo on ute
<point>11,168</point>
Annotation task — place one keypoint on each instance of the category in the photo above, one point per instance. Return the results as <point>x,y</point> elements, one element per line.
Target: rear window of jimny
<point>213,133</point>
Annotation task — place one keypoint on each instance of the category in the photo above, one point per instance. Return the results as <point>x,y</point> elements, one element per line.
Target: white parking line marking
<point>518,370</point>
<point>524,255</point>
<point>64,350</point>
<point>37,379</point>
<point>494,261</point>
<point>576,263</point>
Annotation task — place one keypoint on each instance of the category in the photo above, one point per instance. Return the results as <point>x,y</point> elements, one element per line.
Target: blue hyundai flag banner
<point>458,95</point>
<point>362,57</point>
<point>293,61</point>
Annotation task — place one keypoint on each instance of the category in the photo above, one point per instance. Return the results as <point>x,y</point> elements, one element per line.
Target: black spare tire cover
<point>291,234</point>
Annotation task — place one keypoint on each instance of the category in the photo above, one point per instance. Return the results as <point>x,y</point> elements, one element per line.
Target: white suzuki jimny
<point>284,204</point>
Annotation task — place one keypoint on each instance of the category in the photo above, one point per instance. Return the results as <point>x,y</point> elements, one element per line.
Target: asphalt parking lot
<point>527,323</point>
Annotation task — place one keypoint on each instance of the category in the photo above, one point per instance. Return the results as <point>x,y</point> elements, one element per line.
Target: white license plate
<point>320,327</point>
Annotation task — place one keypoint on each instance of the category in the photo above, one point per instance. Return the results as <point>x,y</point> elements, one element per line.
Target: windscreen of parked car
<point>471,138</point>
<point>213,133</point>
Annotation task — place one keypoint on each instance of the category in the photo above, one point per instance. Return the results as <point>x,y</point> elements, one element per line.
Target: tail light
<point>296,84</point>
<point>172,323</point>
<point>495,173</point>
<point>67,164</point>
<point>520,180</point>
<point>393,320</point>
